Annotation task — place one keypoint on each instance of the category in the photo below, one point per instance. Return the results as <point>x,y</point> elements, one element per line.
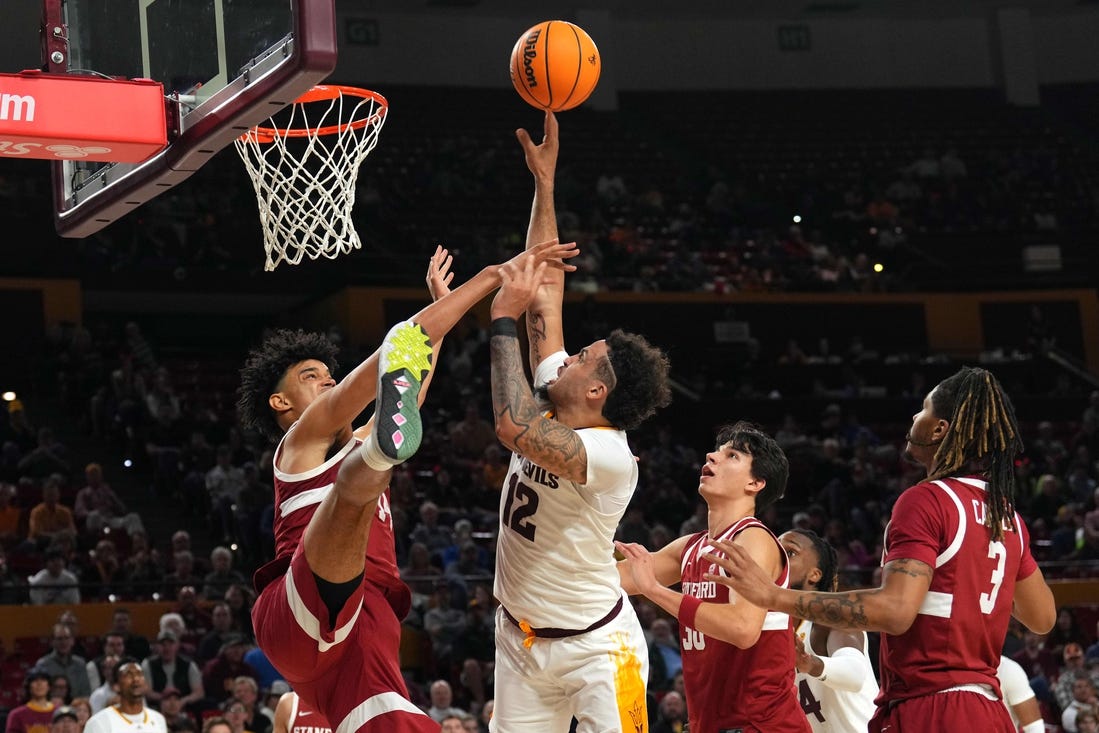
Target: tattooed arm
<point>891,608</point>
<point>544,329</point>
<point>520,426</point>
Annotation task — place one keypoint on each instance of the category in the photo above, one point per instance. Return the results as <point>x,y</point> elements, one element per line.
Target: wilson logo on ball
<point>530,52</point>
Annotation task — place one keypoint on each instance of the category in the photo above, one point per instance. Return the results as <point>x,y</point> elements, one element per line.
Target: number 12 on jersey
<point>521,504</point>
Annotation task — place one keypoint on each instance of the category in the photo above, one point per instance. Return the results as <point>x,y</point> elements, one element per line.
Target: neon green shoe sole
<point>405,361</point>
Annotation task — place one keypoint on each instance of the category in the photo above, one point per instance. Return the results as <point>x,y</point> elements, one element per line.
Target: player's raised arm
<point>544,328</point>
<point>337,407</point>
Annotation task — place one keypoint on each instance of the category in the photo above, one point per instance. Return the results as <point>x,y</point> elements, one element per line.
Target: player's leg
<point>610,667</point>
<point>335,540</point>
<point>526,696</point>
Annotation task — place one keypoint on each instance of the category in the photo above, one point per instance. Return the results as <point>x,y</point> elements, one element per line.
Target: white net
<point>304,168</point>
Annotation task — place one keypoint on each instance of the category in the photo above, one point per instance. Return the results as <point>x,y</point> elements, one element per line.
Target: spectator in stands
<point>266,674</point>
<point>1087,721</point>
<point>60,694</point>
<point>98,506</point>
<point>142,569</point>
<point>114,645</point>
<point>48,457</point>
<point>183,575</point>
<point>442,697</point>
<point>452,723</point>
<point>218,674</point>
<point>1084,697</point>
<point>1066,631</point>
<point>61,661</point>
<point>174,622</point>
<point>106,578</point>
<point>83,709</point>
<point>137,646</point>
<point>104,694</point>
<point>169,668</point>
<point>224,482</point>
<point>195,618</point>
<point>9,517</point>
<point>470,436</point>
<point>235,715</point>
<point>420,573</point>
<point>1035,659</point>
<point>240,600</point>
<point>435,536</point>
<point>54,584</point>
<point>68,618</point>
<point>221,621</point>
<point>221,576</point>
<point>672,715</point>
<point>475,650</point>
<point>177,718</point>
<point>257,718</point>
<point>1075,668</point>
<point>65,719</point>
<point>445,621</point>
<point>467,565</point>
<point>664,657</point>
<point>12,586</point>
<point>36,713</point>
<point>49,518</point>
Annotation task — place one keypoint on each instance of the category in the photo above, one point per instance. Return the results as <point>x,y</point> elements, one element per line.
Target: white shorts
<point>598,677</point>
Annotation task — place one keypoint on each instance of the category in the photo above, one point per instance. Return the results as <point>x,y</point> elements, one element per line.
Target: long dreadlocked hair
<point>826,554</point>
<point>265,367</point>
<point>982,430</point>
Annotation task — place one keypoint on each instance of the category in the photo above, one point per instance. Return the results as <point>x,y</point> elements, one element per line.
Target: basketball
<point>555,65</point>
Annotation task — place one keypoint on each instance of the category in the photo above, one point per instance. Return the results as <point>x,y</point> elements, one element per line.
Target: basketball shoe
<point>403,364</point>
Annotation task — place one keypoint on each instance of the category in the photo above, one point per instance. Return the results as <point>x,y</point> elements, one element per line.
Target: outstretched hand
<point>541,159</point>
<point>640,563</point>
<point>519,283</point>
<point>553,253</point>
<point>745,576</point>
<point>439,275</point>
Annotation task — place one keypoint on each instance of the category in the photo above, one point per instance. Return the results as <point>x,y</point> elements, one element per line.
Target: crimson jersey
<point>297,497</point>
<point>959,631</point>
<point>728,687</point>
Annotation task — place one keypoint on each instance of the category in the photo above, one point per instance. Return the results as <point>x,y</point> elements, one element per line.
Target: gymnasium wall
<point>463,49</point>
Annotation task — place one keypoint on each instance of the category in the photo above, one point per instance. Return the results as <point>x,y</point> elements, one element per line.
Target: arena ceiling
<point>758,9</point>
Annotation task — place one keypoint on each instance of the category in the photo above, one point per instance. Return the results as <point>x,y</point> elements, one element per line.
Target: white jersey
<point>830,710</point>
<point>555,562</point>
<point>1014,686</point>
<point>112,720</point>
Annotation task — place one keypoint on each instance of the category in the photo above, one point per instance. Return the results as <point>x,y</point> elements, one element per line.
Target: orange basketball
<point>555,65</point>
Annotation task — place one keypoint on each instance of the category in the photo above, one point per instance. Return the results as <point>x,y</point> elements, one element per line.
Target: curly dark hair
<point>641,380</point>
<point>265,368</point>
<point>768,461</point>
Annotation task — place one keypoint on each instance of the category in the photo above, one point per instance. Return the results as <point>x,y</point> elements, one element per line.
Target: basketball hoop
<point>304,169</point>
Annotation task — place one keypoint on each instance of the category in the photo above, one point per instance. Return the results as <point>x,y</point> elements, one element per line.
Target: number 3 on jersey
<point>997,552</point>
<point>520,506</point>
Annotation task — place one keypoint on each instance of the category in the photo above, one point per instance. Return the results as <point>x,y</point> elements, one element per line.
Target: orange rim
<point>322,93</point>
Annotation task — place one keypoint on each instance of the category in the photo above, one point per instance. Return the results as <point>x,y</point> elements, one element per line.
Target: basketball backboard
<point>226,65</point>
